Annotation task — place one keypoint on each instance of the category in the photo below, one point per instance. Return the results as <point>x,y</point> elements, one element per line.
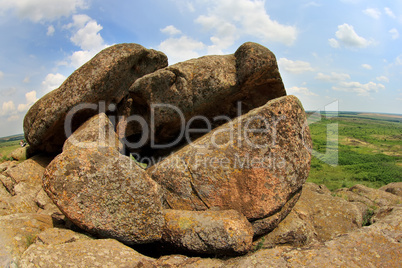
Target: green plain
<point>352,148</point>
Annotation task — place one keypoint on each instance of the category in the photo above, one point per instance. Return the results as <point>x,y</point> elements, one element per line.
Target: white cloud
<point>347,37</point>
<point>7,108</point>
<point>43,10</point>
<point>300,90</point>
<point>86,36</point>
<point>52,81</point>
<point>394,33</point>
<point>383,79</point>
<point>80,57</point>
<point>367,66</point>
<point>389,12</point>
<point>357,87</point>
<point>180,49</point>
<point>372,12</point>
<point>333,77</point>
<point>170,30</point>
<point>30,98</point>
<point>295,67</point>
<point>1,75</point>
<point>50,30</point>
<point>26,80</point>
<point>231,19</point>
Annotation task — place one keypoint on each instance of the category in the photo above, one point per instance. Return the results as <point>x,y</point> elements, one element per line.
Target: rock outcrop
<point>393,188</point>
<point>106,78</point>
<point>102,191</point>
<point>208,86</point>
<point>318,216</point>
<point>254,164</point>
<point>83,253</point>
<point>224,232</point>
<point>237,190</point>
<point>17,233</point>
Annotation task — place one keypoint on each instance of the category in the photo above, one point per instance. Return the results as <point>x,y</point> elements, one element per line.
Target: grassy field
<point>9,144</point>
<point>363,149</point>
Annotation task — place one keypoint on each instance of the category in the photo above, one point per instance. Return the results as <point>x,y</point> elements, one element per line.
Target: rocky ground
<point>356,227</point>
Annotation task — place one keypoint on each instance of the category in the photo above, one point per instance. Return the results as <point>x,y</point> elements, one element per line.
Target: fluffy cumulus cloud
<point>52,81</point>
<point>180,49</point>
<point>372,12</point>
<point>226,21</point>
<point>30,98</point>
<point>231,19</point>
<point>294,67</point>
<point>333,77</point>
<point>43,10</point>
<point>300,91</point>
<point>85,34</point>
<point>170,30</point>
<point>347,37</point>
<point>359,88</point>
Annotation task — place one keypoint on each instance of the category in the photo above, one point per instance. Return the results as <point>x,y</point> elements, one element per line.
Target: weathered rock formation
<point>107,77</point>
<point>237,189</point>
<point>208,86</point>
<point>102,191</point>
<point>223,232</point>
<point>254,167</point>
<point>254,164</point>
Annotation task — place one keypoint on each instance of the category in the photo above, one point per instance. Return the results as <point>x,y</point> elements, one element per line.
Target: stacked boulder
<point>209,194</point>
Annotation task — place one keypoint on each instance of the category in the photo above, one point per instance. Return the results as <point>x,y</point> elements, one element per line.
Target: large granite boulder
<point>208,86</point>
<point>225,232</point>
<point>104,192</point>
<point>20,154</point>
<point>98,131</point>
<point>107,77</point>
<point>254,164</point>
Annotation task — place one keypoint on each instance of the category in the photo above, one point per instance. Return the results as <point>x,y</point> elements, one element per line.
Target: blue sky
<point>345,51</point>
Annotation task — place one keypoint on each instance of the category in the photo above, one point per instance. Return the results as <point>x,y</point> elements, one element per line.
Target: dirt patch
<point>357,142</point>
<point>382,115</point>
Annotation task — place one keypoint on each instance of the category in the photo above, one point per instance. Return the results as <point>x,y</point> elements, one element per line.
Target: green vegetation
<point>367,150</point>
<point>141,165</point>
<point>7,145</point>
